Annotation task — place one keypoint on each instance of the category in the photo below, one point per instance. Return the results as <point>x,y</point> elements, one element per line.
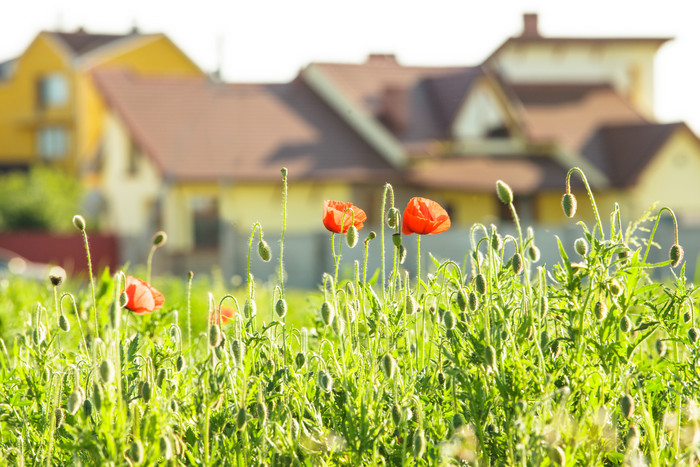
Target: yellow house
<point>49,108</point>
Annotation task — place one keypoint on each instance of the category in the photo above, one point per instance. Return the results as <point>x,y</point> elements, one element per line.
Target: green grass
<point>500,361</point>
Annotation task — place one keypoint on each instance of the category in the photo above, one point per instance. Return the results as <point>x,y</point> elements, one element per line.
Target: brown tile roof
<point>569,113</point>
<point>370,83</point>
<point>622,152</point>
<point>81,42</point>
<point>449,90</point>
<point>195,129</point>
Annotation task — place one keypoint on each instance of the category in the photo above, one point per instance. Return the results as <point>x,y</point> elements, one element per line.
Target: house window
<point>205,220</point>
<point>53,90</point>
<point>52,142</point>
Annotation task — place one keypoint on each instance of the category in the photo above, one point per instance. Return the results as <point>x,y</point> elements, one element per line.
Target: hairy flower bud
<point>87,408</point>
<point>214,335</point>
<point>300,359</point>
<point>264,250</point>
<point>351,236</point>
<point>449,319</point>
<point>418,444</point>
<point>568,204</point>
<point>411,305</point>
<point>490,356</point>
<point>107,371</point>
<point>250,309</point>
<point>517,264</point>
<point>693,335</point>
<point>75,401</point>
<point>396,239</point>
<point>505,194</point>
<point>160,238</point>
<point>625,324</point>
<point>146,392</point>
<point>63,323</point>
<point>160,378</point>
<point>180,363</point>
<point>461,300</point>
<point>166,448</point>
<point>626,406</point>
<point>281,307</point>
<point>581,246</point>
<point>675,254</point>
<point>392,218</point>
<point>534,253</point>
<point>327,313</point>
<point>396,414</point>
<point>59,416</point>
<point>388,366</point>
<point>615,288</point>
<point>600,310</point>
<point>136,452</point>
<point>79,222</point>
<point>480,284</point>
<point>473,301</point>
<point>632,439</point>
<point>97,396</point>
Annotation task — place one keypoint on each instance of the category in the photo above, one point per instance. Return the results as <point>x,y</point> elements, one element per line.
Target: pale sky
<point>270,40</point>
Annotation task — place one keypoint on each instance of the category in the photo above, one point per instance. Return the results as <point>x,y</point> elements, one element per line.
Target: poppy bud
<point>544,304</point>
<point>600,310</point>
<point>63,323</point>
<point>284,171</point>
<point>87,408</point>
<point>180,363</point>
<point>557,455</point>
<point>411,305</point>
<point>160,238</point>
<point>534,253</point>
<point>517,264</point>
<point>556,348</point>
<point>490,356</point>
<point>295,428</point>
<point>388,366</point>
<point>214,335</point>
<point>480,284</point>
<point>146,392</point>
<point>632,439</point>
<point>505,194</point>
<point>238,350</point>
<point>660,346</point>
<point>162,374</point>
<point>461,300</point>
<point>392,218</point>
<point>250,309</point>
<point>687,317</point>
<point>396,414</point>
<point>166,448</point>
<point>324,381</point>
<point>264,250</point>
<point>473,301</point>
<point>449,319</point>
<point>418,444</point>
<point>260,411</point>
<point>568,204</point>
<point>56,276</point>
<point>544,339</point>
<point>625,324</point>
<point>327,313</point>
<point>675,254</point>
<point>496,241</point>
<point>281,307</point>
<point>59,416</point>
<point>97,395</point>
<point>396,239</point>
<point>581,246</point>
<point>370,236</point>
<point>75,400</point>
<point>402,254</point>
<point>626,406</point>
<point>300,359</point>
<point>441,378</point>
<point>136,452</point>
<point>351,236</point>
<point>79,222</point>
<point>241,418</point>
<point>693,334</point>
<point>615,288</point>
<point>107,371</point>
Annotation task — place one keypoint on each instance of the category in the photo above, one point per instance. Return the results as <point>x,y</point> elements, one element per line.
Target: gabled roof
<point>624,151</point>
<point>81,42</point>
<point>195,129</point>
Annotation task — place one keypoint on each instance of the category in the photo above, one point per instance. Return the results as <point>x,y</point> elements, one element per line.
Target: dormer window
<point>52,90</point>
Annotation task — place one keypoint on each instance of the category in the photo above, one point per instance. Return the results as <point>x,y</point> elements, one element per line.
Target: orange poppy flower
<point>142,297</point>
<point>227,313</point>
<point>334,214</point>
<point>424,216</point>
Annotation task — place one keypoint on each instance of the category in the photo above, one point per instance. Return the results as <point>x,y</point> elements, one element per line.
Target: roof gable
<point>81,42</point>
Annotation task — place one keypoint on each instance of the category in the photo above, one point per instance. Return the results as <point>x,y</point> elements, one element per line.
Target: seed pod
<point>625,324</point>
<point>449,319</point>
<point>418,444</point>
<point>396,239</point>
<point>600,310</point>
<point>180,363</point>
<point>693,335</point>
<point>480,284</point>
<point>146,392</point>
<point>534,253</point>
<point>660,347</point>
<point>632,439</point>
<point>473,301</point>
<point>97,396</point>
<point>675,254</point>
<point>63,323</point>
<point>281,307</point>
<point>568,204</point>
<point>327,313</point>
<point>162,374</point>
<point>214,335</point>
<point>557,455</point>
<point>581,246</point>
<point>396,414</point>
<point>505,194</point>
<point>351,236</point>
<point>517,264</point>
<point>264,250</point>
<point>615,288</point>
<point>250,309</point>
<point>75,400</point>
<point>411,305</point>
<point>241,418</point>
<point>461,300</point>
<point>59,416</point>
<point>490,356</point>
<point>300,359</point>
<point>136,452</point>
<point>79,222</point>
<point>87,408</point>
<point>392,218</point>
<point>166,448</point>
<point>627,406</point>
<point>160,238</point>
<point>388,366</point>
<point>238,350</point>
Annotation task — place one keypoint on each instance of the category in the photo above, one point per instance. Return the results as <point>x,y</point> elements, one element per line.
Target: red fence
<point>67,251</point>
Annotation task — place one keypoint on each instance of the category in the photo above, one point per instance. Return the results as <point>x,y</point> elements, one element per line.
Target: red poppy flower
<point>227,313</point>
<point>334,214</point>
<point>424,216</point>
<point>142,297</point>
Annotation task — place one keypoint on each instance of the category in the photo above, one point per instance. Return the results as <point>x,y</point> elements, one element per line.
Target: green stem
<point>656,224</point>
<point>284,227</point>
<point>418,266</point>
<point>92,283</point>
<point>190,276</point>
<point>590,196</point>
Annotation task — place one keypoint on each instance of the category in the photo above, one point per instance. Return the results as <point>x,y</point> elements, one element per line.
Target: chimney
<point>381,59</point>
<point>530,25</point>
